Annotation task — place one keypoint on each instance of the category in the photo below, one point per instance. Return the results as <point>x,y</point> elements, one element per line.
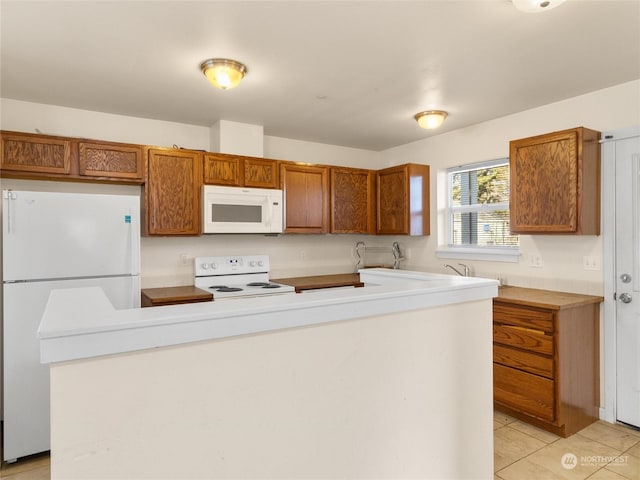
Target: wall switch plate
<point>535,260</point>
<point>591,262</point>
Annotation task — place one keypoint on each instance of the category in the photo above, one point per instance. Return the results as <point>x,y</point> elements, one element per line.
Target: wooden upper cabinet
<point>240,171</point>
<point>32,153</point>
<point>353,200</point>
<point>403,200</point>
<point>261,173</point>
<point>555,183</point>
<point>306,197</point>
<point>46,157</point>
<point>111,160</point>
<point>172,192</point>
<point>221,169</point>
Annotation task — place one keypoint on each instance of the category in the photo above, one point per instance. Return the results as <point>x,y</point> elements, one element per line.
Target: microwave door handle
<point>269,213</point>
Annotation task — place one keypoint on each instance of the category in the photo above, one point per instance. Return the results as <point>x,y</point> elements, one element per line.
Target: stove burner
<point>224,288</point>
<point>263,285</point>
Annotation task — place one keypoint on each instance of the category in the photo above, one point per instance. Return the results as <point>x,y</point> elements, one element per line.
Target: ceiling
<point>345,73</point>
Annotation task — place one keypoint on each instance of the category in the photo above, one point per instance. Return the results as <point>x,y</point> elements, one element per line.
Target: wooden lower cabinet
<point>546,358</point>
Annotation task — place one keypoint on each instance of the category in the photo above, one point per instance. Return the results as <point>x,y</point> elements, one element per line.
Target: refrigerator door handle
<point>8,196</point>
<point>134,236</point>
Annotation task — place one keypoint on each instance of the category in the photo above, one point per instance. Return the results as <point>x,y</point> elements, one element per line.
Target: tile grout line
<point>529,454</point>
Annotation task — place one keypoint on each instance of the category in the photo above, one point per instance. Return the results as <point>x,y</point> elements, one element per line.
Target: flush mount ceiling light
<point>223,73</point>
<point>431,118</point>
<point>536,5</point>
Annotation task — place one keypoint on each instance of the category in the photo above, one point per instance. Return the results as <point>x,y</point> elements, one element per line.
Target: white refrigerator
<point>49,241</point>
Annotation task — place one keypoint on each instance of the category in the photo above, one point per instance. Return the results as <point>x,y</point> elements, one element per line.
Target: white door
<point>627,167</point>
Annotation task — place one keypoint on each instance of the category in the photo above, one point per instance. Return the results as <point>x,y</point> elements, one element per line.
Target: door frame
<point>609,350</point>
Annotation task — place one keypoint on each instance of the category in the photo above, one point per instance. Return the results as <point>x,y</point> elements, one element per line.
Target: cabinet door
<point>555,183</point>
<point>110,160</point>
<point>403,200</point>
<point>260,173</point>
<point>35,154</point>
<point>392,196</point>
<point>352,200</point>
<point>306,194</point>
<point>172,192</point>
<point>222,169</point>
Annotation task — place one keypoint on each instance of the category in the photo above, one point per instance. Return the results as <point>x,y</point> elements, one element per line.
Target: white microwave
<point>241,210</point>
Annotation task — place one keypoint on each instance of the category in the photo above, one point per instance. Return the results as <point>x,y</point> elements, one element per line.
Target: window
<point>478,209</point>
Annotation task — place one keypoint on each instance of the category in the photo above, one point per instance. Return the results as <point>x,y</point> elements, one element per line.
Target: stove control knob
<point>252,263</point>
<point>260,263</point>
<point>214,265</point>
<point>204,266</point>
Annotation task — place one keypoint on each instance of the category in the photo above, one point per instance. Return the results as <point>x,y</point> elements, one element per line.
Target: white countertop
<point>82,323</point>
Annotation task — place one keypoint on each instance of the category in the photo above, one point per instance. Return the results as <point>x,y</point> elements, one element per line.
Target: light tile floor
<point>601,451</point>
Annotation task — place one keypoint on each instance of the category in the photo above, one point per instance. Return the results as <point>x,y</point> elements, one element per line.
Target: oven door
<point>241,210</point>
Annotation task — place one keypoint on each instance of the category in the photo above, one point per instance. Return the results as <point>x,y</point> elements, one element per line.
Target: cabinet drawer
<point>523,391</point>
<point>529,362</point>
<point>522,316</point>
<point>520,337</point>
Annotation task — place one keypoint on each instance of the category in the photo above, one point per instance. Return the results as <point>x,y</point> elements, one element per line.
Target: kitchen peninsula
<point>389,380</point>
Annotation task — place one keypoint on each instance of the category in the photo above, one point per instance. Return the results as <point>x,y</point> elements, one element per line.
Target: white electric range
<point>240,276</point>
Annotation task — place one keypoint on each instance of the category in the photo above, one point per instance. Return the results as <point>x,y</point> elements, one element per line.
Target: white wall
<point>604,110</point>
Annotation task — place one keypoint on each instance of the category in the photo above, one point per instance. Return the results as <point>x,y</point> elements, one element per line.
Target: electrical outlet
<point>591,262</point>
<point>184,259</point>
<point>302,254</point>
<point>535,260</point>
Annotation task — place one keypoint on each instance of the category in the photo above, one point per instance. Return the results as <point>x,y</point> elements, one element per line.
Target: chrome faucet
<point>464,273</point>
<point>397,256</point>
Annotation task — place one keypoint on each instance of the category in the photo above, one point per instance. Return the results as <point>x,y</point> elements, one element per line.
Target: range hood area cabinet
<point>48,157</point>
<point>555,183</point>
<point>402,195</point>
<point>240,171</point>
<point>171,194</point>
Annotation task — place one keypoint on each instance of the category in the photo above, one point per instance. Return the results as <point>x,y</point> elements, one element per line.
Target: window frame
<point>500,253</point>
